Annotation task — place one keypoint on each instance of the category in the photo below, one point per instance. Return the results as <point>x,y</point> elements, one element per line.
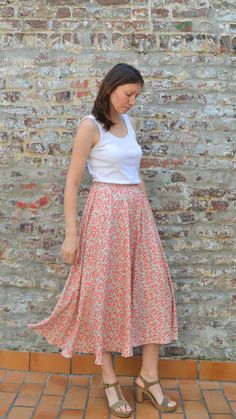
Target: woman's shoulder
<point>87,127</point>
<point>132,121</point>
<point>88,122</point>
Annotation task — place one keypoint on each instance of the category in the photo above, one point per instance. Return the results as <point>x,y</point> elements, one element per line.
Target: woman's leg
<point>149,370</point>
<point>109,377</point>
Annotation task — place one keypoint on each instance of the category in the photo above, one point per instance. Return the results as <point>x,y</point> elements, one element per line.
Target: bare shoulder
<point>133,122</point>
<point>87,131</point>
<point>88,124</point>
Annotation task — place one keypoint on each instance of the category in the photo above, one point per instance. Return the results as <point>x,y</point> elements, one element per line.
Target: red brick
<point>63,96</point>
<point>36,24</point>
<point>79,84</point>
<point>63,12</point>
<point>6,12</point>
<point>112,2</point>
<point>160,13</point>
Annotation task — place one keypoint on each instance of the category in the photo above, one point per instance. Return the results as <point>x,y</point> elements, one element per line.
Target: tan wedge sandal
<point>140,391</point>
<point>119,403</point>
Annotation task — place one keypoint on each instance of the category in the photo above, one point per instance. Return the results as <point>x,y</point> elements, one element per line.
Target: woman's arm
<point>142,185</point>
<point>86,136</point>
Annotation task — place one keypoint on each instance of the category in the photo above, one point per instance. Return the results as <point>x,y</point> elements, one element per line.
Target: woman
<point>119,292</point>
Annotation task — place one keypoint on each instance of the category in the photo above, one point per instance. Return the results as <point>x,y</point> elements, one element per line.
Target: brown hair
<point>119,74</point>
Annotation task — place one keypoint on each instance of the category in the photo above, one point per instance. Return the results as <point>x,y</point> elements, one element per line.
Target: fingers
<point>68,257</point>
<point>77,256</point>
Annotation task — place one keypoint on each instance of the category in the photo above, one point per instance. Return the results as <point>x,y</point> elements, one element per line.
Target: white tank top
<point>115,159</point>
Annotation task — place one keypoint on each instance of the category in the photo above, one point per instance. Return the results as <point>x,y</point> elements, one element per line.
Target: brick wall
<point>53,55</point>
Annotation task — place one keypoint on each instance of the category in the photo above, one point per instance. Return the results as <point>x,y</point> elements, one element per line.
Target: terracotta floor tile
<point>79,380</point>
<point>10,387</point>
<point>36,377</point>
<point>49,362</point>
<point>188,381</point>
<point>84,364</point>
<point>172,416</point>
<point>56,385</point>
<point>233,407</point>
<point>6,400</point>
<point>168,383</point>
<point>15,377</point>
<point>96,380</point>
<point>48,407</point>
<point>71,414</point>
<point>146,410</point>
<point>29,394</point>
<point>195,410</point>
<point>175,396</point>
<point>3,373</point>
<point>20,413</point>
<point>75,398</point>
<point>209,385</point>
<point>230,390</point>
<point>190,391</point>
<point>115,417</point>
<point>222,416</point>
<point>215,401</point>
<point>96,391</point>
<point>97,408</point>
<point>14,360</point>
<point>129,395</point>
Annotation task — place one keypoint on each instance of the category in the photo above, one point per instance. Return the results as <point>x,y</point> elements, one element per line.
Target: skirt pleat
<point>119,294</point>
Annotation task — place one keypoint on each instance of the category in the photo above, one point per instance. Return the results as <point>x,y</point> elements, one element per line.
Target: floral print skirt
<point>119,294</point>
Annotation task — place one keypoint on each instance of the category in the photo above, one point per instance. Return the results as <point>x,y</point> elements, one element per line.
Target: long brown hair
<point>119,74</point>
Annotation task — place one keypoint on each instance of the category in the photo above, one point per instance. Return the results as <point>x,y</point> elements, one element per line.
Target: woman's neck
<point>116,117</point>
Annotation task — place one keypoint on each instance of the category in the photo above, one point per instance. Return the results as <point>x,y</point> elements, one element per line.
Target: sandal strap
<point>165,401</point>
<point>120,403</point>
<point>111,385</point>
<point>146,383</point>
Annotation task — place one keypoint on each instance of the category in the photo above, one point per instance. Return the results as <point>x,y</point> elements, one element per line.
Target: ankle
<point>109,378</point>
<point>149,375</point>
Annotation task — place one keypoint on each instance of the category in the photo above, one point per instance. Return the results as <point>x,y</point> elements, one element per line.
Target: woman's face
<point>124,97</point>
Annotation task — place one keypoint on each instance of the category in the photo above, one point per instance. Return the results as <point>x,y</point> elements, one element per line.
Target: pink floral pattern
<point>120,294</point>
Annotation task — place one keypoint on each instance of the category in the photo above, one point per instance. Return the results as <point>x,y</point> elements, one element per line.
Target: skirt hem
<point>126,353</point>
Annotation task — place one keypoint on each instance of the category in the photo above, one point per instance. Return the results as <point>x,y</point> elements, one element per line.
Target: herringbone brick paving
<point>26,395</point>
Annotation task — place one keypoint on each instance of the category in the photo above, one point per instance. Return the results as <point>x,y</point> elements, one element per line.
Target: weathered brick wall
<point>53,55</point>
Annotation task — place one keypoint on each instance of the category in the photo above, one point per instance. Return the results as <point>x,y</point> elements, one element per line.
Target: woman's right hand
<point>69,250</point>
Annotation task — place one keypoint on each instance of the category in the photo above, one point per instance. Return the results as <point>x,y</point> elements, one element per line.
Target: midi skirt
<point>119,294</point>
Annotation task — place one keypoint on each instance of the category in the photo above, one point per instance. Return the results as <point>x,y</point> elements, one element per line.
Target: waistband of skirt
<point>96,184</point>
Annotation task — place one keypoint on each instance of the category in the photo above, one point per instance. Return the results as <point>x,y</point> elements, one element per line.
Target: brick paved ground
<point>25,395</point>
